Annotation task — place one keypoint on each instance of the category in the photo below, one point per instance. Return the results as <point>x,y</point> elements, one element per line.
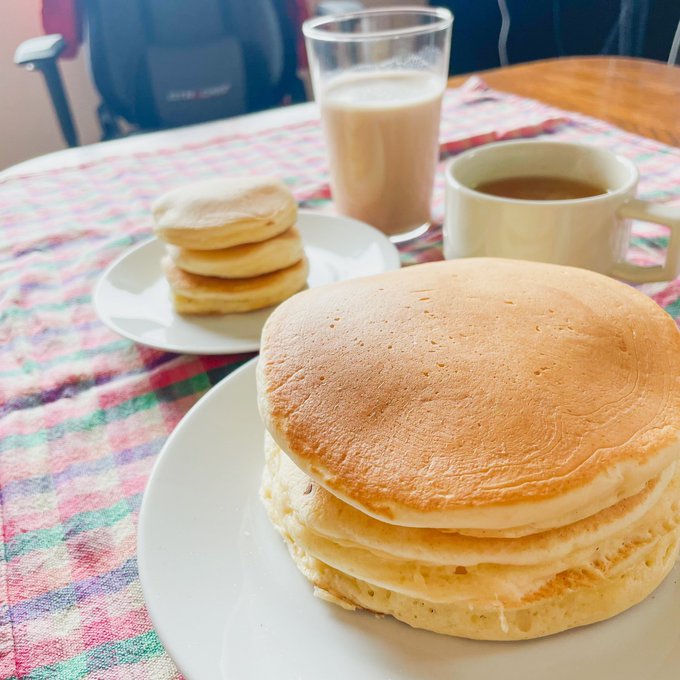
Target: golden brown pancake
<point>251,259</point>
<point>477,394</point>
<point>224,212</point>
<point>482,448</point>
<point>195,294</point>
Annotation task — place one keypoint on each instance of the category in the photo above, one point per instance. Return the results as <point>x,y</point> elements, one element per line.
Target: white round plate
<point>228,602</point>
<point>133,298</point>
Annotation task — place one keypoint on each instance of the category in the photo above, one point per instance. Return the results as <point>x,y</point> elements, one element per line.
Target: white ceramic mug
<point>592,232</point>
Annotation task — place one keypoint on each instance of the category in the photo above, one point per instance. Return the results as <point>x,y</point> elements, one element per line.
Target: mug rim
<point>454,182</point>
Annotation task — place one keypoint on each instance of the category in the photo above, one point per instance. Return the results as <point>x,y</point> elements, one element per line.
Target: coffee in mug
<point>516,218</point>
<point>540,188</point>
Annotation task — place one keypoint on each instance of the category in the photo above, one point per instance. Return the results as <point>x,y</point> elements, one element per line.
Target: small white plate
<point>133,298</point>
<point>228,602</point>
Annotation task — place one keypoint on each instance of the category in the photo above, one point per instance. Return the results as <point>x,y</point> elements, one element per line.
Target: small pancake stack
<point>483,448</point>
<point>232,244</point>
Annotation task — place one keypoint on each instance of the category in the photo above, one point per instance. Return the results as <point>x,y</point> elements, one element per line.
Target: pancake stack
<point>483,448</point>
<point>232,244</point>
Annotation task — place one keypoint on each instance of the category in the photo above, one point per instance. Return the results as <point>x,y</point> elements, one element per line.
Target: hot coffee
<point>540,188</point>
<point>512,200</point>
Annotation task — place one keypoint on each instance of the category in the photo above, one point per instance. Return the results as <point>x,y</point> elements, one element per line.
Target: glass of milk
<point>379,77</point>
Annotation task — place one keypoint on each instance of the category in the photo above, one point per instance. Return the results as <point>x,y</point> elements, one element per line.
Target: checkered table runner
<point>84,412</point>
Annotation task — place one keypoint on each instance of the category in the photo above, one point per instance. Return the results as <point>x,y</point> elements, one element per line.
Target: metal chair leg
<point>55,85</point>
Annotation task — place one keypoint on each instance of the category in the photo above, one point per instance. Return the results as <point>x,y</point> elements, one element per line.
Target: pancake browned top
<point>477,393</point>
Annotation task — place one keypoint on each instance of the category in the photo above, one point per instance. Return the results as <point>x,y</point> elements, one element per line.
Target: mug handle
<point>659,214</point>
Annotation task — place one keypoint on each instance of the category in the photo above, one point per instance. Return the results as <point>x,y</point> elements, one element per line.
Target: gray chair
<point>164,63</point>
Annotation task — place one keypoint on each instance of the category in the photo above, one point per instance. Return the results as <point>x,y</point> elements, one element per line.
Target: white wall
<point>28,126</point>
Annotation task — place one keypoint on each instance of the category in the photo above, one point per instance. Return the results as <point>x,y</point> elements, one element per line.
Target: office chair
<point>164,63</point>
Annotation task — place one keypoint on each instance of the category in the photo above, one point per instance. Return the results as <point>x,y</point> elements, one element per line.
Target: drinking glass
<point>379,77</point>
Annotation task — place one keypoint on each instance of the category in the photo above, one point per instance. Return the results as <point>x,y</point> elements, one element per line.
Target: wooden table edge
<point>638,95</point>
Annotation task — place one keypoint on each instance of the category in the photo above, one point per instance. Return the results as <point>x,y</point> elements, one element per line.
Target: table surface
<point>638,95</point>
<point>84,413</point>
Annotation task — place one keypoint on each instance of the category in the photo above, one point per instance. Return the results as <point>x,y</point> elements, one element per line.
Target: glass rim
<point>312,27</point>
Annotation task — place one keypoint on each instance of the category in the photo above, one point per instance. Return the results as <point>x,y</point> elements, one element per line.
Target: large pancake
<point>474,394</point>
<point>224,212</point>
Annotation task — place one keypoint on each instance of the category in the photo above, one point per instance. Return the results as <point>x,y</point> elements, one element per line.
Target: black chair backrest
<point>160,63</point>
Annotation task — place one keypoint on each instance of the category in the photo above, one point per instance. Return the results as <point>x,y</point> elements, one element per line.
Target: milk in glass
<point>382,136</point>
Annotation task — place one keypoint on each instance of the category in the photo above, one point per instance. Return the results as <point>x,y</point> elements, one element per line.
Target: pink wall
<point>28,126</point>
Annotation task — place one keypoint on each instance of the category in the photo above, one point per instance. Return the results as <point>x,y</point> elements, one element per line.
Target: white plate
<point>133,298</point>
<point>223,592</point>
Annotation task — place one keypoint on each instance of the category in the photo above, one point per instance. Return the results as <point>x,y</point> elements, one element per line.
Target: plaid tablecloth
<point>84,413</point>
